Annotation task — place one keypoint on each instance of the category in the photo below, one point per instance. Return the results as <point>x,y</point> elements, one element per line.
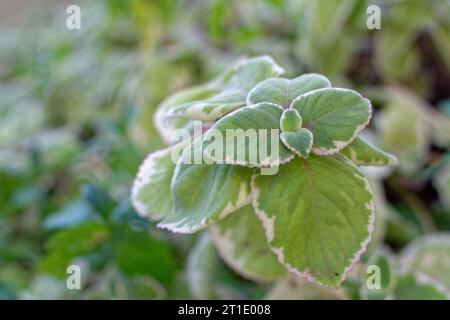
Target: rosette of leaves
<point>313,218</point>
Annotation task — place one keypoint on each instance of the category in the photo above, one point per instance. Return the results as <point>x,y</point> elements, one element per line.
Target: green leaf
<point>284,91</point>
<point>403,133</point>
<point>429,255</point>
<point>290,120</point>
<point>386,263</point>
<point>335,117</point>
<point>137,253</point>
<point>212,108</point>
<point>362,153</point>
<point>151,188</point>
<point>68,244</point>
<point>166,126</point>
<point>255,140</point>
<point>203,193</point>
<point>201,268</point>
<point>246,75</point>
<point>318,216</point>
<point>299,142</point>
<point>240,241</point>
<point>292,288</point>
<point>417,286</point>
<point>252,71</point>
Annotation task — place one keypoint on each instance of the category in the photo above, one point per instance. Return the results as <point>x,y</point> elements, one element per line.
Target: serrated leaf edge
<point>268,225</point>
<point>339,145</point>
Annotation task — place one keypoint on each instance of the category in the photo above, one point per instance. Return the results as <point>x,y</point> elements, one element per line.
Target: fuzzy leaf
<point>317,214</point>
<point>290,120</point>
<point>212,108</point>
<point>203,193</point>
<point>240,241</point>
<point>151,188</point>
<point>362,153</point>
<point>284,91</point>
<point>246,75</point>
<point>261,147</point>
<point>417,286</point>
<point>166,126</point>
<point>299,142</point>
<point>334,116</point>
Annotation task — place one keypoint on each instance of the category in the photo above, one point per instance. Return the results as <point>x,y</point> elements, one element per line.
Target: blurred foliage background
<point>76,112</point>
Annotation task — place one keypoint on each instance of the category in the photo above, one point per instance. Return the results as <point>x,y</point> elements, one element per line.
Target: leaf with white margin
<point>419,286</point>
<point>212,108</point>
<point>335,117</point>
<point>283,91</point>
<point>150,193</point>
<point>201,268</point>
<point>166,126</point>
<point>260,148</point>
<point>430,255</point>
<point>362,153</point>
<point>385,261</point>
<point>299,142</point>
<point>240,241</point>
<point>290,120</point>
<point>252,71</point>
<point>318,216</point>
<point>204,193</point>
<point>293,288</point>
<point>246,75</point>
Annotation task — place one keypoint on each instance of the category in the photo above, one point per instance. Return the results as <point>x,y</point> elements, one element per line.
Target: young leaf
<point>299,142</point>
<point>203,194</point>
<point>246,75</point>
<point>335,117</point>
<point>290,120</point>
<point>317,214</point>
<point>418,286</point>
<point>429,255</point>
<point>284,91</point>
<point>150,194</point>
<point>362,153</point>
<point>240,241</point>
<point>256,141</point>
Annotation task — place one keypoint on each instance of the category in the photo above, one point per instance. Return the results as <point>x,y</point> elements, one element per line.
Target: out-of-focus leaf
<point>68,244</point>
<point>138,253</point>
<point>429,255</point>
<point>417,286</point>
<point>202,268</point>
<point>387,271</point>
<point>72,214</point>
<point>292,288</point>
